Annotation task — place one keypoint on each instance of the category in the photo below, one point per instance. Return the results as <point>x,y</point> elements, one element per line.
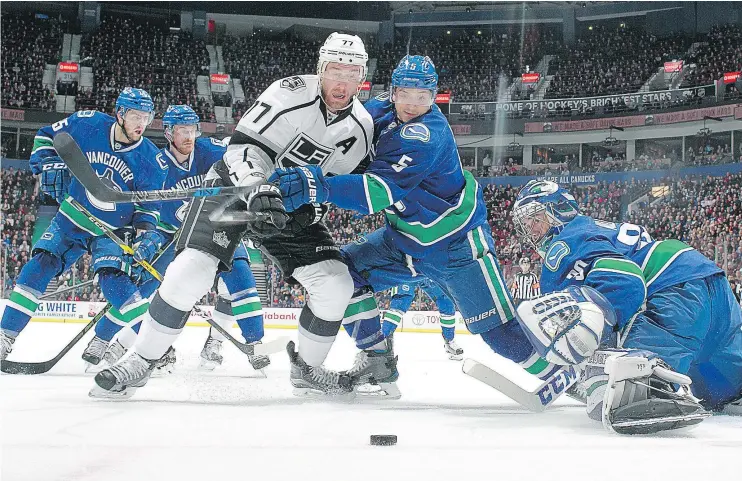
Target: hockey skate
<point>211,354</point>
<point>6,345</point>
<point>317,381</point>
<point>93,353</point>
<point>114,352</point>
<point>374,372</point>
<point>121,380</point>
<point>257,361</point>
<point>455,353</point>
<point>166,364</point>
<point>733,408</point>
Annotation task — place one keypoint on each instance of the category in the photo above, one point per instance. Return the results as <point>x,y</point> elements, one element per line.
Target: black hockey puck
<point>383,439</point>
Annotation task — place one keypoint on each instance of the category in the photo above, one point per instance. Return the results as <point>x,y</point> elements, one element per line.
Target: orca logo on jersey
<point>303,150</point>
<point>416,131</point>
<point>293,83</point>
<point>554,256</point>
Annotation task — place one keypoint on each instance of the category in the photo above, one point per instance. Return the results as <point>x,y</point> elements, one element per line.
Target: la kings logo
<point>293,83</point>
<point>303,150</point>
<point>220,238</point>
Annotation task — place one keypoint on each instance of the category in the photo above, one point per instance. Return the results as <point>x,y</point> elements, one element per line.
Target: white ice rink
<point>235,424</point>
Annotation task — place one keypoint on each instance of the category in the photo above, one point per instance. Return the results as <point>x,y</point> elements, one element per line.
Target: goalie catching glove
<point>566,327</point>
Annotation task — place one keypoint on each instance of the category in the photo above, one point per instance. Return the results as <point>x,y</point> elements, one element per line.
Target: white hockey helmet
<point>345,49</point>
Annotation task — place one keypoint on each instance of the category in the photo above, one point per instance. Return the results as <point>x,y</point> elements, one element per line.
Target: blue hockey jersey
<point>416,178</point>
<point>122,167</point>
<point>621,261</point>
<point>206,152</point>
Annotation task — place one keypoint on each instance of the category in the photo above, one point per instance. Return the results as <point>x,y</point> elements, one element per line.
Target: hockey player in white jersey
<point>297,121</point>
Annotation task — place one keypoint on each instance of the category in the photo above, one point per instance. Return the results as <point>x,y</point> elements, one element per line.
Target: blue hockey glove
<point>55,178</point>
<point>149,243</point>
<point>301,185</point>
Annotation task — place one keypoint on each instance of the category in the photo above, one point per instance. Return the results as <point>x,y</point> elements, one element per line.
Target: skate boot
<point>166,364</point>
<point>114,352</point>
<point>257,361</point>
<point>6,345</point>
<point>211,354</point>
<point>94,352</point>
<point>374,372</point>
<point>317,381</point>
<point>455,353</point>
<point>121,380</point>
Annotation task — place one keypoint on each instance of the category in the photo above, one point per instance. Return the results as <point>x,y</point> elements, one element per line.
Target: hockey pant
<point>468,273</point>
<point>57,250</point>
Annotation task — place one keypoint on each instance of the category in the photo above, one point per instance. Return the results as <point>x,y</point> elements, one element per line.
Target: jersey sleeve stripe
<point>42,143</point>
<point>378,194</point>
<point>619,266</point>
<point>285,111</point>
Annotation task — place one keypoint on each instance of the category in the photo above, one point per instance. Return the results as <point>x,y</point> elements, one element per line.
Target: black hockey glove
<point>267,203</point>
<point>305,216</point>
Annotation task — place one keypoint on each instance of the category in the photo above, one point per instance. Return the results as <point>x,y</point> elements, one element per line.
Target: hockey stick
<point>537,400</point>
<point>12,367</point>
<point>30,368</point>
<point>111,235</point>
<point>66,289</point>
<point>78,164</point>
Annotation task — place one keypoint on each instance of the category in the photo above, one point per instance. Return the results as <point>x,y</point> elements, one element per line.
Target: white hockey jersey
<point>289,126</point>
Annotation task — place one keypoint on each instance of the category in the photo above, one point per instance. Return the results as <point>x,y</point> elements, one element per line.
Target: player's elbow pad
<point>246,167</point>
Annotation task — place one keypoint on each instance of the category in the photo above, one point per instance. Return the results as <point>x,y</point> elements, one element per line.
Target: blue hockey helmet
<point>180,115</point>
<point>542,202</point>
<point>415,72</point>
<point>135,99</point>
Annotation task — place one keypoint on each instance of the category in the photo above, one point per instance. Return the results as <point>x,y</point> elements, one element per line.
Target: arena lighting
<point>705,131</point>
<point>611,141</point>
<point>514,145</point>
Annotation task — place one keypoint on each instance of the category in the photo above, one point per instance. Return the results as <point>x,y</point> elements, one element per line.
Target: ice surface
<point>235,424</point>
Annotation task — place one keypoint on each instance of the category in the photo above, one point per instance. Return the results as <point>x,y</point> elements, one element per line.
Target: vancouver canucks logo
<point>555,254</point>
<point>544,188</point>
<point>416,131</point>
<point>107,179</point>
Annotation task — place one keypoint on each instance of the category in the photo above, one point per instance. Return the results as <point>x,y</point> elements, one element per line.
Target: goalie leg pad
<point>634,392</point>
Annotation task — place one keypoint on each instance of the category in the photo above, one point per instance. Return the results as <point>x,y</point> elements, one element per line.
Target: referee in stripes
<point>526,284</point>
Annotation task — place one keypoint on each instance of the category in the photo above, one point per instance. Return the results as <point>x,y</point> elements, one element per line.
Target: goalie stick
<point>78,164</point>
<point>537,400</point>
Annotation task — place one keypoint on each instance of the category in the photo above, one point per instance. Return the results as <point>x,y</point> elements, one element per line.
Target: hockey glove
<point>306,216</point>
<point>266,201</point>
<point>149,242</point>
<point>54,177</point>
<point>301,185</point>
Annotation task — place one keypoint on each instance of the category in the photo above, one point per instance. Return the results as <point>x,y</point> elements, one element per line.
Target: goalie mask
<point>541,211</point>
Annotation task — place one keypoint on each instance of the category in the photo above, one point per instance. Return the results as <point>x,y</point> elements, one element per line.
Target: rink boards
<point>274,318</point>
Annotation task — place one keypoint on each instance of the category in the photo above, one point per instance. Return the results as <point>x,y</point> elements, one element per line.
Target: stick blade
<point>25,368</point>
<point>271,347</point>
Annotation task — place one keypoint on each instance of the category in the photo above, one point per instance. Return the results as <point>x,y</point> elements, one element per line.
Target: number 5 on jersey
<point>402,163</point>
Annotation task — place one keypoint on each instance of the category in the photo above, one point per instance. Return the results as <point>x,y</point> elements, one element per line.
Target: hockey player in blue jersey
<point>436,227</point>
<point>189,159</point>
<point>402,298</point>
<point>124,159</point>
<point>677,326</point>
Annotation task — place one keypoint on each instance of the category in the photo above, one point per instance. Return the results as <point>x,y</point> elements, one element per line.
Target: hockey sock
<point>448,333</point>
<point>128,335</point>
<point>128,305</point>
<point>159,329</point>
<point>448,326</point>
<point>31,283</point>
<point>362,322</point>
<point>316,336</point>
<point>390,321</point>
